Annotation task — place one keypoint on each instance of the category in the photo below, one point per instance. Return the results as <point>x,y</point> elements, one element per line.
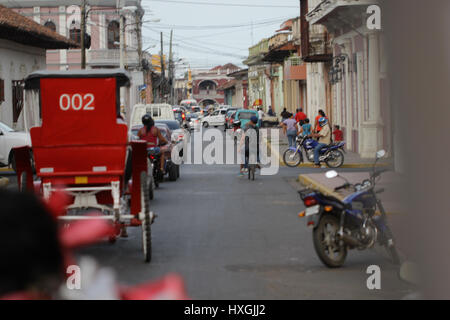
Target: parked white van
<point>161,111</point>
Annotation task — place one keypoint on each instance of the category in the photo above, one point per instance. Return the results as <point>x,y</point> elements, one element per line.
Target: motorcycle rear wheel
<point>335,159</point>
<point>326,243</point>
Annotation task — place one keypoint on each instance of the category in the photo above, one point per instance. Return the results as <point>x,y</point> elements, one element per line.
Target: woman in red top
<point>317,127</point>
<point>153,136</point>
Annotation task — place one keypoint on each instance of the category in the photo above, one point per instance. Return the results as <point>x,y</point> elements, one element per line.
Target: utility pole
<point>139,37</point>
<point>122,39</point>
<point>83,34</point>
<point>163,71</point>
<point>171,68</point>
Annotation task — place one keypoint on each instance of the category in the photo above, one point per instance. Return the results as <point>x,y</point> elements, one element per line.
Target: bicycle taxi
<point>82,147</point>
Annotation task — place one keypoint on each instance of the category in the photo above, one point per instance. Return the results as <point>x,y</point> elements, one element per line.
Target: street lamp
<point>336,71</point>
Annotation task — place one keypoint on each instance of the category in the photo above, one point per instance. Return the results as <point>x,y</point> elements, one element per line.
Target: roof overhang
<point>329,7</point>
<point>32,81</point>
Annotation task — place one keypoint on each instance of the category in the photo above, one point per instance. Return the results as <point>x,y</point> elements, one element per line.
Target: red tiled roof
<point>17,28</point>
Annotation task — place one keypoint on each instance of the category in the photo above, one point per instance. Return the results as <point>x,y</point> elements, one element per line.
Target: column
<point>372,128</point>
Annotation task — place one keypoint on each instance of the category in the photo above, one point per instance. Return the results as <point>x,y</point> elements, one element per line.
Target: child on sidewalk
<point>337,133</point>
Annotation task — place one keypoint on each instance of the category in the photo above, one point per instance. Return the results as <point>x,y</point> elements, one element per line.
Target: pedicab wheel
<point>147,237</point>
<point>151,193</point>
<point>146,223</point>
<point>23,182</point>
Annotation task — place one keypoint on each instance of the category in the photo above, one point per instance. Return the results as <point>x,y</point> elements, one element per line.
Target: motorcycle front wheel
<point>335,159</point>
<point>326,242</point>
<point>292,158</point>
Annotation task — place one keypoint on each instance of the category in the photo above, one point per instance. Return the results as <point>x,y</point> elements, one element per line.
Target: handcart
<point>82,147</point>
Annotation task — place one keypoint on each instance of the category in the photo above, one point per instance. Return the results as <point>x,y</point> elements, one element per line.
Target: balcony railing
<point>111,57</point>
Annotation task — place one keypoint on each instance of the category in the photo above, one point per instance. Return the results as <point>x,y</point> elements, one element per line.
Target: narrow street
<point>231,238</point>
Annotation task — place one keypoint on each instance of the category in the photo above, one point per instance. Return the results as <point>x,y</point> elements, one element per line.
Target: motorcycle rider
<point>153,136</point>
<point>244,146</point>
<point>324,139</point>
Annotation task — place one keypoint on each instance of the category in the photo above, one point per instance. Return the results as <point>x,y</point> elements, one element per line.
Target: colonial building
<point>206,83</point>
<point>358,75</point>
<point>236,89</point>
<point>103,26</point>
<point>23,45</point>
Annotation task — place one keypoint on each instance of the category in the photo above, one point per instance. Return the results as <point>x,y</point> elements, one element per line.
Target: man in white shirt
<point>324,136</point>
<point>260,117</point>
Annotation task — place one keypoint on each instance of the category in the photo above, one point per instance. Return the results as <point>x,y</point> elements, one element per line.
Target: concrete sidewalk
<point>352,159</point>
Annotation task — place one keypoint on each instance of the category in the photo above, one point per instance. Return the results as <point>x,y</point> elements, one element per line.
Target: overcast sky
<point>214,44</point>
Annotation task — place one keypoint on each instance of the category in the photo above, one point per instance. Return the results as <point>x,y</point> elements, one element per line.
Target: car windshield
<point>246,115</point>
<point>193,116</point>
<point>173,125</point>
<point>5,128</point>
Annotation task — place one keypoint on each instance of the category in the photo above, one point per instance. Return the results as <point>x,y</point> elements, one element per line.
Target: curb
<point>311,165</point>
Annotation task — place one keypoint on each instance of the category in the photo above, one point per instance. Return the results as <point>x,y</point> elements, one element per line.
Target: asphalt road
<point>231,238</point>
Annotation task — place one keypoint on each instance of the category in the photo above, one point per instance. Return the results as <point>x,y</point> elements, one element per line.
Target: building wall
<point>316,89</point>
<point>16,61</point>
<point>361,99</point>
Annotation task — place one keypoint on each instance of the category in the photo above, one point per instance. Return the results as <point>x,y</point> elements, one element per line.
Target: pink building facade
<point>360,97</point>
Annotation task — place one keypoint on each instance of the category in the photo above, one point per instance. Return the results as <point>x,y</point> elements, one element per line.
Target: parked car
<point>9,139</point>
<point>217,118</point>
<point>244,115</point>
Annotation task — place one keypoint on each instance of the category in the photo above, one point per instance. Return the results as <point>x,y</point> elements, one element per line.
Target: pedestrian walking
<point>290,127</point>
<point>284,115</point>
<point>300,116</point>
<point>270,112</point>
<point>317,127</point>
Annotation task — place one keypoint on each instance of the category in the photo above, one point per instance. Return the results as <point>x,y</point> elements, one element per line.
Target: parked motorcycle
<point>332,155</point>
<point>352,223</point>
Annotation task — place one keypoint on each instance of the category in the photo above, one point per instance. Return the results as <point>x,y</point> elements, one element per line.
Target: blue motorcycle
<point>356,222</point>
<point>332,155</point>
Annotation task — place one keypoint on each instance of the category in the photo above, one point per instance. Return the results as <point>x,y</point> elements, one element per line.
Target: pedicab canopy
<point>81,130</point>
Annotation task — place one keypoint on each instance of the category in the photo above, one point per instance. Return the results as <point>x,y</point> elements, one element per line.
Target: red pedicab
<point>82,147</point>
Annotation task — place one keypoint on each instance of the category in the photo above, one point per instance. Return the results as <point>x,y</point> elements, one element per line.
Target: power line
<point>226,4</point>
<point>168,26</point>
